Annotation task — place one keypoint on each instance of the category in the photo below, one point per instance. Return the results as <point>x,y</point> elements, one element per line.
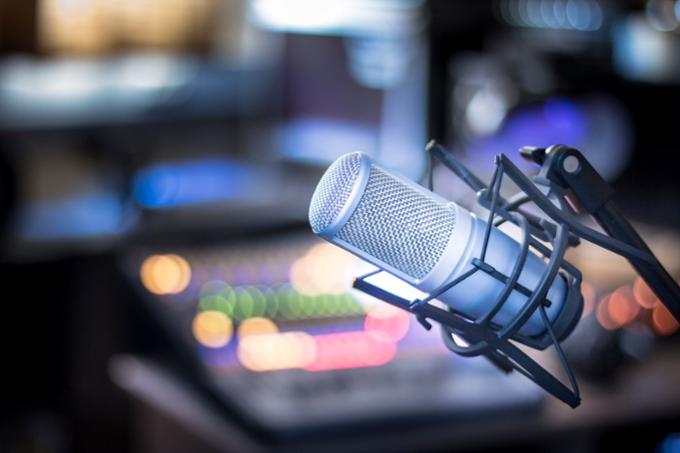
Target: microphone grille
<point>333,190</point>
<point>399,225</point>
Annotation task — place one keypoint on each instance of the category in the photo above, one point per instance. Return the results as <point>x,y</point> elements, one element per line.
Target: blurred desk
<point>647,391</point>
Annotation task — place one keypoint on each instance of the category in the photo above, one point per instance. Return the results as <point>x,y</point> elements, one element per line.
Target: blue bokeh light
<point>180,184</point>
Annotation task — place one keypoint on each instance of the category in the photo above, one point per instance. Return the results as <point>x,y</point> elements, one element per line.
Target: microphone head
<point>336,192</point>
<point>383,217</point>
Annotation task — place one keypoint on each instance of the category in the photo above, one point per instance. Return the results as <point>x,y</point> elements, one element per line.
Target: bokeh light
<point>602,314</point>
<point>256,326</point>
<point>387,324</point>
<point>644,295</point>
<point>636,308</point>
<point>322,270</point>
<point>96,26</point>
<point>663,321</point>
<point>212,329</point>
<point>282,302</point>
<point>621,306</point>
<point>276,351</point>
<point>250,302</point>
<point>215,288</point>
<point>350,350</point>
<point>217,296</point>
<point>165,274</point>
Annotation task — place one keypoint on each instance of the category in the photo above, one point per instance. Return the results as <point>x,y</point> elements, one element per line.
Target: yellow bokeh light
<point>74,25</point>
<point>212,329</point>
<point>98,26</point>
<point>256,326</point>
<point>324,269</point>
<point>165,274</point>
<point>277,351</point>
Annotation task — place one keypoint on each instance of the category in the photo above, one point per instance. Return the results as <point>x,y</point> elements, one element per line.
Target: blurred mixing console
<point>280,334</point>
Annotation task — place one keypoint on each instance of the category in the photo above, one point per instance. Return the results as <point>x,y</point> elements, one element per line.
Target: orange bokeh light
<point>643,295</point>
<point>621,306</point>
<point>165,274</point>
<point>602,314</point>
<point>663,321</point>
<point>212,329</point>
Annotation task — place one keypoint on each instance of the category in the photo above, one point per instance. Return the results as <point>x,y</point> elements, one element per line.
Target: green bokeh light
<point>219,296</point>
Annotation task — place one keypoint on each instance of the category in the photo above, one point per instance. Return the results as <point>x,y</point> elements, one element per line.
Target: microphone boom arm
<point>567,168</point>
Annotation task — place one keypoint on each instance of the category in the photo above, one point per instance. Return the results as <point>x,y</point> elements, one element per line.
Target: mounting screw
<point>571,164</point>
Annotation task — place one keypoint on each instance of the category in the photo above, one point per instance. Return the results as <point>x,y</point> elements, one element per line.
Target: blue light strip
<point>202,181</point>
<point>90,215</point>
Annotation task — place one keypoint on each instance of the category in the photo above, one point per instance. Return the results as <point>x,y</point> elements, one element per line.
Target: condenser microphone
<point>427,241</point>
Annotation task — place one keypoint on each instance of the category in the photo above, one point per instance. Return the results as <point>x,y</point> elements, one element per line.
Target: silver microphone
<point>425,240</point>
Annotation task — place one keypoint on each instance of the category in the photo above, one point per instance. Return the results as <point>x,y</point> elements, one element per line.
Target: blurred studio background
<point>162,291</point>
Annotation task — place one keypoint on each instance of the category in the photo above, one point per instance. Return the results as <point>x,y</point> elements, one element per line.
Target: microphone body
<point>427,241</point>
